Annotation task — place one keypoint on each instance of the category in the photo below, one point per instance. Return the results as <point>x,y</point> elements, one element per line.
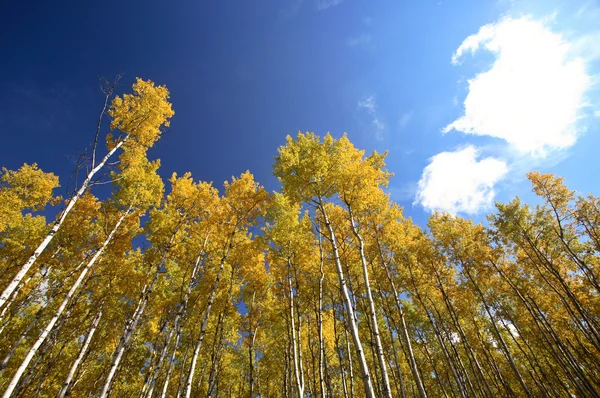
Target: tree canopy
<point>323,289</point>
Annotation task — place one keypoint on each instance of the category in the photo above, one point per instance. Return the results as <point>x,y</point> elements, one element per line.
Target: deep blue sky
<point>242,76</point>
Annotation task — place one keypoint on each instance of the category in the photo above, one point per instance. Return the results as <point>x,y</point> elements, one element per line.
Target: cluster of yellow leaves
<point>140,115</point>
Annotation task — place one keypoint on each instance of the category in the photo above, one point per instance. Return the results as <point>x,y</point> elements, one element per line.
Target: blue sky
<point>514,84</point>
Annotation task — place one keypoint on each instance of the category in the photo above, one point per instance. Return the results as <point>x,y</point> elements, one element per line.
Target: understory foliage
<point>321,290</point>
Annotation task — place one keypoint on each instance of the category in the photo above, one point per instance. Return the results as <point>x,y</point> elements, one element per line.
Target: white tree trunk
<point>15,380</point>
<point>14,296</point>
<point>190,378</point>
<point>171,363</point>
<point>387,391</point>
<point>320,321</point>
<point>366,376</point>
<point>297,361</point>
<point>82,353</point>
<point>413,363</point>
<point>127,334</point>
<point>163,354</point>
<point>40,249</point>
<point>132,323</point>
<point>180,315</point>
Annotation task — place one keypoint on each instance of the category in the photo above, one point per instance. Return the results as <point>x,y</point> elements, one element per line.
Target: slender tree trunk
<point>320,321</point>
<point>171,360</point>
<point>36,317</point>
<point>385,381</point>
<point>365,374</point>
<point>64,391</point>
<point>468,348</point>
<point>438,335</point>
<point>211,298</point>
<point>181,314</point>
<point>182,371</point>
<point>297,362</point>
<point>216,356</point>
<point>63,215</point>
<point>350,365</point>
<point>176,327</point>
<point>251,357</point>
<point>397,376</point>
<point>161,358</point>
<point>339,351</point>
<point>14,296</point>
<point>15,380</point>
<point>505,349</point>
<point>413,363</point>
<point>127,334</point>
<point>213,382</point>
<point>131,325</point>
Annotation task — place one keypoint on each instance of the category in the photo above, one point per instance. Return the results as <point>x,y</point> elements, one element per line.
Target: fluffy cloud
<point>325,4</point>
<point>370,106</point>
<point>532,94</point>
<point>458,182</point>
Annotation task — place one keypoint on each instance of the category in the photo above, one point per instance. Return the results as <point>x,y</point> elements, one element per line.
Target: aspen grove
<point>141,287</point>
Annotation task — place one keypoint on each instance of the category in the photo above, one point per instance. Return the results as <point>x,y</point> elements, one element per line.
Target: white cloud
<point>361,40</point>
<point>370,106</point>
<point>405,119</point>
<point>532,95</point>
<point>325,4</point>
<point>458,182</point>
<point>368,103</point>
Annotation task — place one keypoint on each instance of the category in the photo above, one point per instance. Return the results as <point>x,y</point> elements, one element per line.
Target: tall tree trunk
<point>15,380</point>
<point>413,363</point>
<point>206,317</point>
<point>213,380</point>
<point>465,342</point>
<point>176,327</point>
<point>64,391</point>
<point>320,321</point>
<point>171,360</point>
<point>128,332</point>
<point>365,374</point>
<point>49,298</point>
<point>182,371</point>
<point>216,356</point>
<point>350,365</point>
<point>338,349</point>
<point>251,358</point>
<point>397,376</point>
<point>177,324</point>
<point>61,218</point>
<point>297,362</point>
<point>461,387</point>
<point>161,358</point>
<point>385,381</point>
<point>131,324</point>
<point>27,299</point>
<point>505,349</point>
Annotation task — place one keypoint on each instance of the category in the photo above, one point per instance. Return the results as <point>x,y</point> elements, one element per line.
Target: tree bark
<point>15,380</point>
<point>413,363</point>
<point>64,391</point>
<point>297,362</point>
<point>379,347</point>
<point>365,374</point>
<point>190,378</point>
<point>63,215</point>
